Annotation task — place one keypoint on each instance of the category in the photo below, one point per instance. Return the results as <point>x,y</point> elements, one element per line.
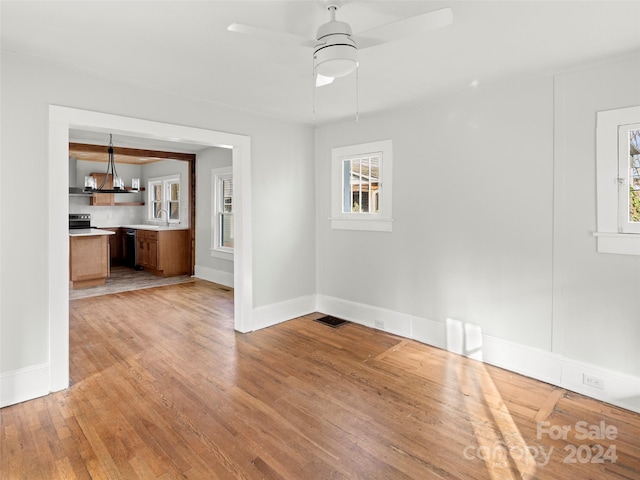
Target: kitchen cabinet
<point>164,253</point>
<point>88,259</point>
<point>116,254</point>
<point>147,250</point>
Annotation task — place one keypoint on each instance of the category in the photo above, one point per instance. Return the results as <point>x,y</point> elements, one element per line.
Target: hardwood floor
<point>163,388</point>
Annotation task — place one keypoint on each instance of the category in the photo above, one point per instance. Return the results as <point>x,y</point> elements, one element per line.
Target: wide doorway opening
<point>62,120</point>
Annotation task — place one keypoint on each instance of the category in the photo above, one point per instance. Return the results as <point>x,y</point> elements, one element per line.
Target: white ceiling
<point>184,47</point>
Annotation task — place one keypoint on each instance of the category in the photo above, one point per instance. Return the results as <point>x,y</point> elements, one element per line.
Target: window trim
<point>608,235</point>
<point>166,182</point>
<point>381,221</point>
<point>216,250</point>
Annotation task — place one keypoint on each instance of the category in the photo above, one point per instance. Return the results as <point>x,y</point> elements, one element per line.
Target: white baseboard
<point>213,275</point>
<point>617,388</point>
<point>24,384</point>
<point>273,314</point>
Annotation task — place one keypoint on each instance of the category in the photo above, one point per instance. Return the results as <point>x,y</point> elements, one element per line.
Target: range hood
<point>74,190</point>
<point>78,192</point>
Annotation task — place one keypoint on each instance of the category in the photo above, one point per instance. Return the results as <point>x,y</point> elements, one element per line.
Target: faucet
<point>159,215</point>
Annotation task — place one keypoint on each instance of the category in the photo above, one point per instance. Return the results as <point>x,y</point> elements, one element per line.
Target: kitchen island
<point>88,257</point>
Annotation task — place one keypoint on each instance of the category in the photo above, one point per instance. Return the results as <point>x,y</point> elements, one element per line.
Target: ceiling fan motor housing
<point>337,54</point>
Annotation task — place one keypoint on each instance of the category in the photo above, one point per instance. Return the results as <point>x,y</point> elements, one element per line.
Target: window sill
<point>619,243</point>
<point>374,225</point>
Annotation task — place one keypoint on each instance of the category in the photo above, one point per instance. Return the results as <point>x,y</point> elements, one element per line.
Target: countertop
<point>88,232</point>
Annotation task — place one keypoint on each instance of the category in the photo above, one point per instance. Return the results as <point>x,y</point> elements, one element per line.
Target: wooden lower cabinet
<point>115,245</point>
<point>164,253</point>
<point>88,260</point>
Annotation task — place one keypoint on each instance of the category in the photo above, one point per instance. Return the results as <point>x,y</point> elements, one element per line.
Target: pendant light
<point>90,184</point>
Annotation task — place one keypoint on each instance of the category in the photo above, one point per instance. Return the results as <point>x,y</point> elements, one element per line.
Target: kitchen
<point>138,238</point>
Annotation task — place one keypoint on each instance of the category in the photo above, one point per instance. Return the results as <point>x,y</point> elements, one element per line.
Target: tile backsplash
<point>108,216</point>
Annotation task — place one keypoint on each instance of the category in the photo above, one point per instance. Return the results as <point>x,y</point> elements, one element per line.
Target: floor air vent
<point>331,321</point>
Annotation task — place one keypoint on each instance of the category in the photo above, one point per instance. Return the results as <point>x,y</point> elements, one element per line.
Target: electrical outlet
<point>592,381</point>
<point>379,324</point>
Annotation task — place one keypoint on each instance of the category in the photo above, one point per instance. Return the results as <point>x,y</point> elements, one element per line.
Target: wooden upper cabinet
<point>102,199</point>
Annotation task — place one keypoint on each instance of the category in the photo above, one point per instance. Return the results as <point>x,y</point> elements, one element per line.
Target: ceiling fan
<point>335,48</point>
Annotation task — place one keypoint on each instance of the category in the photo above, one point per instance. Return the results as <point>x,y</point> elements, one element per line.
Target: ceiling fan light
<point>321,80</point>
<point>336,60</point>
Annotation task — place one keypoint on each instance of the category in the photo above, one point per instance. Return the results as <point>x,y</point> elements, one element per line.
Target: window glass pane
<point>174,195</point>
<point>374,184</point>
<point>174,210</point>
<point>346,186</point>
<point>157,191</point>
<point>157,206</point>
<point>361,177</point>
<point>227,195</point>
<point>226,230</point>
<point>634,175</point>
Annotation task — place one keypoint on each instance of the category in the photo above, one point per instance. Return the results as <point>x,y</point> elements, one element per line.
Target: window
<point>222,212</point>
<point>629,178</point>
<point>164,199</point>
<point>361,184</point>
<point>361,177</point>
<point>618,183</point>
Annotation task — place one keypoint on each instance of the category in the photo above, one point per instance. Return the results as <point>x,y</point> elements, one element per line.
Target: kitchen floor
<point>123,279</point>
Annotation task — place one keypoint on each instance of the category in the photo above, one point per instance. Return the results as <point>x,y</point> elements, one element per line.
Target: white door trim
<point>61,119</point>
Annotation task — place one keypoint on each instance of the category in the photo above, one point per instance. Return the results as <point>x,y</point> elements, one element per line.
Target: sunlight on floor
<point>500,444</point>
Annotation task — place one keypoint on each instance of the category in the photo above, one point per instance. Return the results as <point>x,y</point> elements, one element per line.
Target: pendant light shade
<point>337,60</point>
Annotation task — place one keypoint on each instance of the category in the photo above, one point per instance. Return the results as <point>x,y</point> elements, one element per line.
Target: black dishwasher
<point>130,247</point>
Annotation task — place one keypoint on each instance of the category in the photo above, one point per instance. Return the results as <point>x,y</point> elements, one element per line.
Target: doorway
<point>61,120</point>
<point>146,162</point>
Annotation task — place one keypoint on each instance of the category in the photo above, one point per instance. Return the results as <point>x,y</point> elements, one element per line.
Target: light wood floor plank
<point>163,388</point>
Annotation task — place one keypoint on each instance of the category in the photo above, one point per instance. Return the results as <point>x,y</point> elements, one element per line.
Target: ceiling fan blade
<point>404,28</point>
<point>321,80</point>
<point>271,35</point>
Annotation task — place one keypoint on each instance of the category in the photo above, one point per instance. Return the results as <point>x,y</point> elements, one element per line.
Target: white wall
<point>215,269</point>
<point>494,205</point>
<point>28,87</point>
<point>597,295</point>
<point>472,214</point>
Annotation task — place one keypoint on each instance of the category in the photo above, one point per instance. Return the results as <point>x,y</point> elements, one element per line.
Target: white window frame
<point>380,221</point>
<point>610,180</point>
<point>166,183</point>
<point>217,176</point>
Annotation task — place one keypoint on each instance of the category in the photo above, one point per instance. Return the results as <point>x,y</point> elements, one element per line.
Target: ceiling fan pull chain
<point>313,89</point>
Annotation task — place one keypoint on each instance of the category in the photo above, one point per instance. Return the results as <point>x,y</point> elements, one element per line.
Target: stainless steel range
<point>79,220</point>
